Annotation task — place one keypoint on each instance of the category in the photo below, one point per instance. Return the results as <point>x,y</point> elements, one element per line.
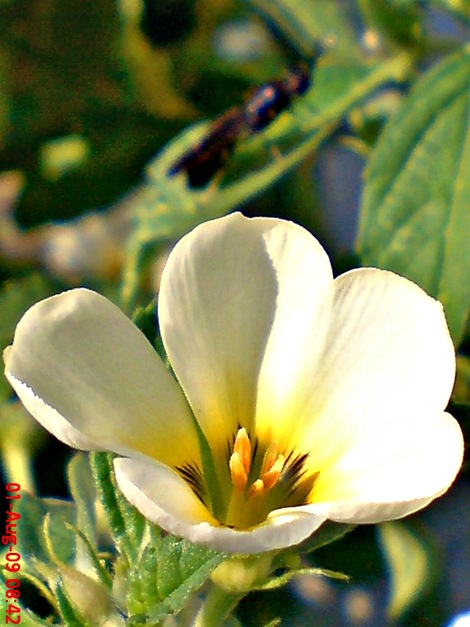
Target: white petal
<point>222,290</point>
<point>91,378</point>
<point>388,361</point>
<point>165,499</point>
<point>391,476</point>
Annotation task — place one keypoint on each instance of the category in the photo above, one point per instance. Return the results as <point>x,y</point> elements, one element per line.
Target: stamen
<point>242,446</point>
<point>263,479</point>
<point>269,458</point>
<point>237,472</point>
<point>257,488</point>
<point>270,478</point>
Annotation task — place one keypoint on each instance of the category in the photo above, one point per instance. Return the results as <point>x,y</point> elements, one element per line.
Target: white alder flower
<point>297,399</point>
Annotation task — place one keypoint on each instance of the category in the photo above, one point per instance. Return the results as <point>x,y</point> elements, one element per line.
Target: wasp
<point>208,156</point>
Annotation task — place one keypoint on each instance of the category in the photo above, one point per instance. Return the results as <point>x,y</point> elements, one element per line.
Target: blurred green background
<point>91,92</point>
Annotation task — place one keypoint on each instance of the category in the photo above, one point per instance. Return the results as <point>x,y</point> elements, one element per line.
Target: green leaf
<point>83,490</point>
<point>166,208</point>
<point>89,598</point>
<point>409,562</point>
<point>309,24</point>
<point>44,534</point>
<point>69,614</point>
<point>415,216</point>
<point>394,21</point>
<point>62,50</point>
<point>459,7</point>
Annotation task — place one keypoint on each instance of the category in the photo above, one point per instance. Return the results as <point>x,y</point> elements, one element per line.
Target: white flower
<point>299,398</point>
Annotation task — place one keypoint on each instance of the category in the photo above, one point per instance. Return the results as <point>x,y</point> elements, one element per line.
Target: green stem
<point>217,607</point>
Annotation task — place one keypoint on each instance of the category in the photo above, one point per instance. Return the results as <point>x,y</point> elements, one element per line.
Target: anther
<point>240,460</point>
<point>242,446</point>
<point>270,478</point>
<point>257,488</point>
<point>269,458</point>
<point>237,472</point>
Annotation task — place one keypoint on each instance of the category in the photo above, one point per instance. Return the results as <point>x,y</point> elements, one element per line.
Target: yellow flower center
<point>251,481</point>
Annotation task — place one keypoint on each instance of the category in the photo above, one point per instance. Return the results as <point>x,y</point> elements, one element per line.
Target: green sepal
<point>145,318</point>
<point>276,582</point>
<point>127,525</point>
<point>166,574</point>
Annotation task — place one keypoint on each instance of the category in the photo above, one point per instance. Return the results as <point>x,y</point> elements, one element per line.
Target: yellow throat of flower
<point>252,481</point>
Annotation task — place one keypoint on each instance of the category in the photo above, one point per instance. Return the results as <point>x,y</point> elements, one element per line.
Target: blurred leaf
<point>89,598</point>
<point>68,612</point>
<point>167,208</point>
<point>46,534</point>
<point>63,55</point>
<point>329,532</point>
<point>165,22</point>
<point>460,7</point>
<point>16,297</point>
<point>416,211</point>
<point>356,553</point>
<point>409,562</point>
<point>83,491</point>
<point>121,142</point>
<point>461,392</point>
<point>400,23</point>
<point>28,618</point>
<point>309,24</point>
<point>20,439</point>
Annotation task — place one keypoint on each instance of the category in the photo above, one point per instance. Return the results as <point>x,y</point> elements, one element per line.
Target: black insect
<point>271,99</point>
<point>208,156</point>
